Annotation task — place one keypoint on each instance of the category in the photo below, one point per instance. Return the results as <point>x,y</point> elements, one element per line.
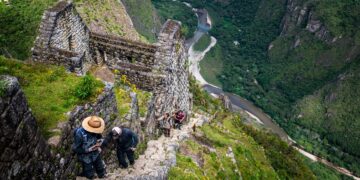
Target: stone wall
<point>24,152</point>
<point>134,59</point>
<point>174,93</point>
<point>63,38</point>
<point>160,67</point>
<point>106,107</point>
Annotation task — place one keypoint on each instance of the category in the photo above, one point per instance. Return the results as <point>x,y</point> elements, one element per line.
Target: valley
<point>240,103</point>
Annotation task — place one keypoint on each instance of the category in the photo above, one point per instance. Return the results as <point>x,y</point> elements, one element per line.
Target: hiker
<point>165,124</point>
<point>179,118</point>
<point>126,142</point>
<point>86,145</point>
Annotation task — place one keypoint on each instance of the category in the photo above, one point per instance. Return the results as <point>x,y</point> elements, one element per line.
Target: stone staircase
<point>160,154</point>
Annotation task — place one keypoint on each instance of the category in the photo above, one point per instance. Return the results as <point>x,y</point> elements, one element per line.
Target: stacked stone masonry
<point>24,152</point>
<point>65,40</point>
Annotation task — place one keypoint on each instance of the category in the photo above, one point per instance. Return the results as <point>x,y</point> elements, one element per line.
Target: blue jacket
<point>126,140</point>
<point>83,140</point>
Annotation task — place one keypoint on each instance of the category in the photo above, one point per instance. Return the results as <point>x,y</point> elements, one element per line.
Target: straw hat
<point>94,124</point>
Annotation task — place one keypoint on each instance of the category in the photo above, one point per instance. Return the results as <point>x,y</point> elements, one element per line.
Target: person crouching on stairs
<point>87,140</point>
<point>165,124</point>
<point>126,142</point>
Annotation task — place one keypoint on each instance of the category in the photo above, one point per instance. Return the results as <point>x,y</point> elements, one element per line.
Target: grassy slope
<point>48,89</point>
<point>124,100</point>
<point>144,17</point>
<point>258,155</point>
<point>107,16</point>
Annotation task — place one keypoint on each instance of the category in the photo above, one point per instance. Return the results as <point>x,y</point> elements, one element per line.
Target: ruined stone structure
<point>160,68</point>
<point>24,152</point>
<point>65,40</point>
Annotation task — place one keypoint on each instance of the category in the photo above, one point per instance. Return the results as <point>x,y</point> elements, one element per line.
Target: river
<point>238,102</point>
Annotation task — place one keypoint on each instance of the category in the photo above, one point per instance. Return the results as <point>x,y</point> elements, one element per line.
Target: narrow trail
<point>160,154</point>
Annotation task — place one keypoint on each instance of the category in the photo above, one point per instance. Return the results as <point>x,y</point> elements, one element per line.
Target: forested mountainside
<point>299,61</point>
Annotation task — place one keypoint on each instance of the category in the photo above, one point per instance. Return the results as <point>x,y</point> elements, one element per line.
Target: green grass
<point>49,90</point>
<point>211,66</point>
<point>258,155</point>
<point>202,43</point>
<point>144,17</point>
<point>185,169</point>
<point>19,26</point>
<point>123,100</point>
<point>103,13</point>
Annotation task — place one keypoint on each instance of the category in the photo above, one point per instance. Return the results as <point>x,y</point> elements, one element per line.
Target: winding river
<point>238,102</point>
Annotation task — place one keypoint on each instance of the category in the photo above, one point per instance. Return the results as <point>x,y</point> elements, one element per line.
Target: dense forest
<point>306,83</point>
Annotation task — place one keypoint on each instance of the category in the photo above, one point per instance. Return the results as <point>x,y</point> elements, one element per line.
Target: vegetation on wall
<point>107,17</point>
<point>50,90</point>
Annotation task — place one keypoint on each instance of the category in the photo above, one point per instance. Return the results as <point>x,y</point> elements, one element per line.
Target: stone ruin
<point>65,40</point>
<point>160,68</point>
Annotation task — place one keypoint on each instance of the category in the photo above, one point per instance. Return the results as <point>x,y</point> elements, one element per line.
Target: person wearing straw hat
<point>87,140</point>
<point>126,142</point>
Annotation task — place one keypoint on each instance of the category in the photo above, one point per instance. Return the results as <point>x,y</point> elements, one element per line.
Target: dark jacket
<point>83,140</point>
<point>126,140</point>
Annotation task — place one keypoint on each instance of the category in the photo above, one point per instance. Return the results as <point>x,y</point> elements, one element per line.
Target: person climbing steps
<point>179,118</point>
<point>165,124</point>
<point>126,142</point>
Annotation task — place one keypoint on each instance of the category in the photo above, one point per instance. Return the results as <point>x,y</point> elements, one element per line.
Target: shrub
<point>86,88</point>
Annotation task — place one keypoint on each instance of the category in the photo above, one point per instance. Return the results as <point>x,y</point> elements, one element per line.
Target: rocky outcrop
<point>24,152</point>
<point>226,102</point>
<point>301,15</point>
